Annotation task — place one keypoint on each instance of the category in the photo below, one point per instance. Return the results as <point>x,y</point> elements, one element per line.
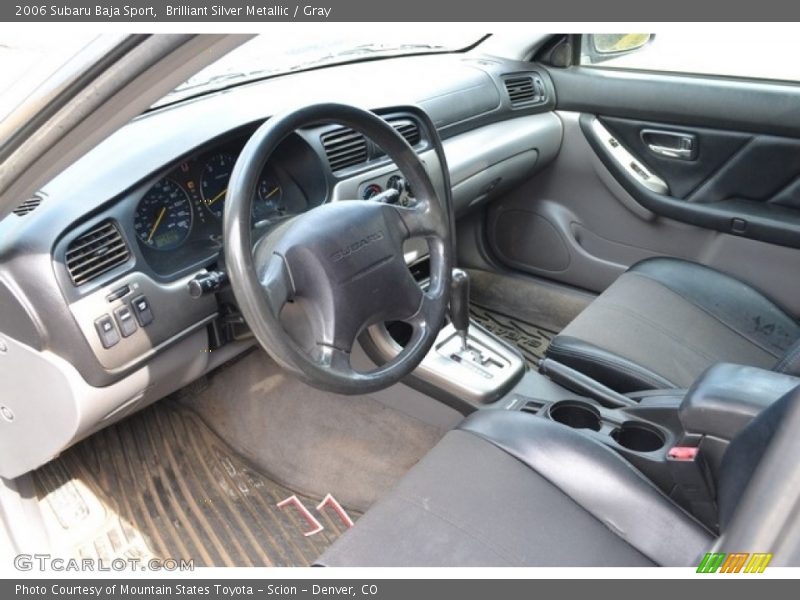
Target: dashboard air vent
<point>95,252</point>
<point>408,129</point>
<point>344,148</point>
<point>28,206</point>
<point>524,89</point>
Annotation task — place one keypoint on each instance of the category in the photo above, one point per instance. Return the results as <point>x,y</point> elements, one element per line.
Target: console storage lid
<point>726,398</point>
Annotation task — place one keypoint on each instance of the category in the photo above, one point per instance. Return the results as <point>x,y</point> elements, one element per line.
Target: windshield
<point>26,61</point>
<point>276,53</point>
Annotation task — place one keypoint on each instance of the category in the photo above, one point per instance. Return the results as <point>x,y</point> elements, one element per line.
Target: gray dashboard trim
<point>57,407</point>
<point>470,153</point>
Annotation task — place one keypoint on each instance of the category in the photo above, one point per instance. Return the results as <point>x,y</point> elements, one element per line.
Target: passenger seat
<point>665,321</point>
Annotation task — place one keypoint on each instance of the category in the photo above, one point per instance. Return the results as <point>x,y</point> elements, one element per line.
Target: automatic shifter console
<point>470,353</point>
<point>467,364</point>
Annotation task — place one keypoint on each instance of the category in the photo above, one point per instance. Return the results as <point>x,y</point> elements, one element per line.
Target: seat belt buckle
<point>693,480</point>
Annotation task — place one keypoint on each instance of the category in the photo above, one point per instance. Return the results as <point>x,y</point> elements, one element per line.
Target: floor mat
<point>531,339</point>
<point>315,442</point>
<point>162,484</point>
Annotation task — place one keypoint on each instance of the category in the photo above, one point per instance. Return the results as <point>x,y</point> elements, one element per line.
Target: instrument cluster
<point>191,199</point>
<point>178,218</point>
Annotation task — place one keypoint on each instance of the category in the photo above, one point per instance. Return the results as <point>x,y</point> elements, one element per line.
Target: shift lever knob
<point>459,303</point>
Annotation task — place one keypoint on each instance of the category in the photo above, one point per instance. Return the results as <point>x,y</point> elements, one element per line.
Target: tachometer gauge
<point>214,182</point>
<point>164,216</point>
<point>268,202</point>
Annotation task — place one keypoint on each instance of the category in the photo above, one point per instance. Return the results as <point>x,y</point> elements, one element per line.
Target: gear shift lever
<point>459,305</point>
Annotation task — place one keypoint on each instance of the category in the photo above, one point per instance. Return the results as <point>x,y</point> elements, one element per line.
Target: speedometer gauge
<point>214,182</point>
<point>164,216</point>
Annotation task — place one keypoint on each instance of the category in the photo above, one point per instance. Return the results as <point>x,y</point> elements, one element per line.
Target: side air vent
<point>28,206</point>
<point>95,252</point>
<point>344,148</point>
<point>408,129</point>
<point>524,89</point>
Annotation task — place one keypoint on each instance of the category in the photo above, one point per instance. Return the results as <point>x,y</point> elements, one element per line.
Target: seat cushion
<point>470,502</point>
<point>665,321</point>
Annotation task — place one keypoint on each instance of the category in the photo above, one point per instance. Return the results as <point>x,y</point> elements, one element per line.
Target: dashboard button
<point>107,331</point>
<point>125,320</point>
<point>144,314</point>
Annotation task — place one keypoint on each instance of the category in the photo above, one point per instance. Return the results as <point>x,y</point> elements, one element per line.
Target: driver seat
<point>510,489</point>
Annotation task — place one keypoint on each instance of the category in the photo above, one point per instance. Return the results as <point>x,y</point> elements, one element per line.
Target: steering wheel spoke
<point>416,220</point>
<point>335,360</point>
<point>276,282</point>
<point>426,315</point>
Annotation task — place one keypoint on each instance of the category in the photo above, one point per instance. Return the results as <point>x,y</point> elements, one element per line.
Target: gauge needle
<point>272,193</point>
<point>217,197</point>
<point>157,223</point>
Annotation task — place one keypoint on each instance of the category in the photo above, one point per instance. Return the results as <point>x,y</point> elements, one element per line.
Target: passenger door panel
<point>733,202</point>
<point>744,195</point>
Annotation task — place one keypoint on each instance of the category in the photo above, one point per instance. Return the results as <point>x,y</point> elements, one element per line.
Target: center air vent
<point>344,148</point>
<point>347,148</point>
<point>28,206</point>
<point>408,129</point>
<point>524,89</point>
<point>95,252</point>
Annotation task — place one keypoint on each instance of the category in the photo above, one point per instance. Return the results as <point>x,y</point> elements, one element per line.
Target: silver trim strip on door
<point>627,161</point>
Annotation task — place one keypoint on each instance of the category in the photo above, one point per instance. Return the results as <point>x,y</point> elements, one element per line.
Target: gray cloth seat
<point>665,321</point>
<point>510,489</point>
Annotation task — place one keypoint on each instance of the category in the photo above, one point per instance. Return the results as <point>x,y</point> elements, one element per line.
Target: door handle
<point>670,144</point>
<point>682,153</point>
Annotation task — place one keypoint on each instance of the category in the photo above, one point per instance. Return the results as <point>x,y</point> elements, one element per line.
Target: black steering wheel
<point>341,264</point>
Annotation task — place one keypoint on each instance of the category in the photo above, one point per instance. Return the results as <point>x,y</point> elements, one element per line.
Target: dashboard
<point>95,281</point>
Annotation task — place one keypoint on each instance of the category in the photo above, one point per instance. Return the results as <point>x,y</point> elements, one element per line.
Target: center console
<point>676,438</point>
<point>642,432</point>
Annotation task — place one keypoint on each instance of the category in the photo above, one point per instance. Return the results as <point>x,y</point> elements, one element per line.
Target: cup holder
<point>577,415</point>
<point>638,437</point>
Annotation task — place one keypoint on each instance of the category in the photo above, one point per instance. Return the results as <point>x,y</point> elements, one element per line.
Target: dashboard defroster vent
<point>344,148</point>
<point>95,252</point>
<point>524,89</point>
<point>28,206</point>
